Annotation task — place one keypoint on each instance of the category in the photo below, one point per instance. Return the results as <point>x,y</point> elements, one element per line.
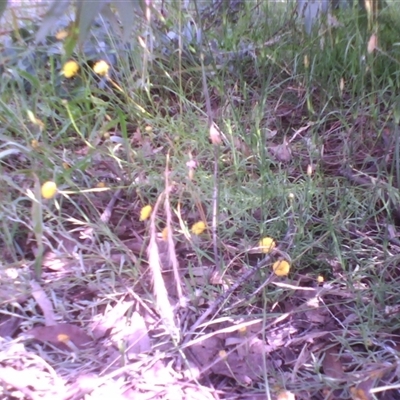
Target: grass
<point>309,153</point>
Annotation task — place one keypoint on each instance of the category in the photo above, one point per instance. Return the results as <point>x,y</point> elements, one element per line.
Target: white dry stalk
<point>171,245</point>
<point>163,304</point>
<point>44,303</point>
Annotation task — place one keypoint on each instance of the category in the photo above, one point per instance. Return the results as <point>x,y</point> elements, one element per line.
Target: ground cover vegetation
<point>207,211</point>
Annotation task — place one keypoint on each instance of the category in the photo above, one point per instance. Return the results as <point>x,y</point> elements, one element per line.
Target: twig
<point>171,244</point>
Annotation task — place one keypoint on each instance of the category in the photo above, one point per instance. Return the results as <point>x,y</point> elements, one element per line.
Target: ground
<point>222,215</point>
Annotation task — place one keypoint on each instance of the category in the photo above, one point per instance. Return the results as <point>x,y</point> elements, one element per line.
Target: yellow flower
<point>145,213</point>
<point>101,185</point>
<point>49,190</point>
<point>101,68</point>
<point>198,228</point>
<point>281,268</point>
<point>70,69</point>
<point>267,244</point>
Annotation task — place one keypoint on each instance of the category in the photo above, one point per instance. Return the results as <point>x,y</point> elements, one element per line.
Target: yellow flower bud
<point>70,69</point>
<point>198,228</point>
<point>145,213</point>
<point>267,244</point>
<point>49,190</point>
<point>281,268</point>
<point>101,68</point>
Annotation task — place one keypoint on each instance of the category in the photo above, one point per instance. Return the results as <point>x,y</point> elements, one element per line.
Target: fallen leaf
<point>281,152</point>
<point>61,334</point>
<point>9,324</point>
<point>332,364</point>
<point>243,360</point>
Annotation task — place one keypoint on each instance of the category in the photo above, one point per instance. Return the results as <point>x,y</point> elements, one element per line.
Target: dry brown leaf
<point>281,152</point>
<point>9,325</point>
<point>61,334</point>
<point>244,362</point>
<point>241,146</point>
<point>332,364</point>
